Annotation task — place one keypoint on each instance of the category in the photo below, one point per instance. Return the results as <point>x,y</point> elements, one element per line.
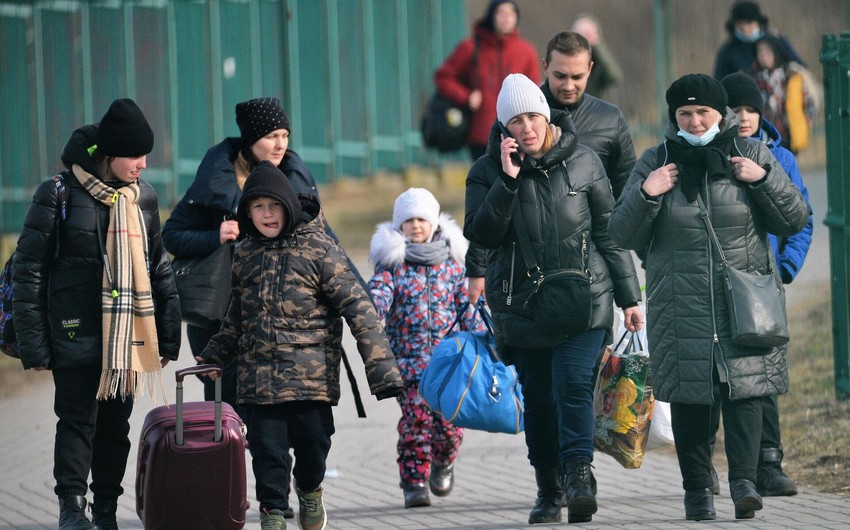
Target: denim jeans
<point>557,386</point>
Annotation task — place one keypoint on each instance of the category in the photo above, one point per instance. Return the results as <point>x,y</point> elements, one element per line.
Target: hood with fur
<point>388,245</point>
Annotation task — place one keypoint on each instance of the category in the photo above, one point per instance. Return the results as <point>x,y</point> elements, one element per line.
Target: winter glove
<point>389,393</point>
<point>76,151</point>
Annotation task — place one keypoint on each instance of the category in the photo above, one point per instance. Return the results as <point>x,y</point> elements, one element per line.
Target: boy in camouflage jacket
<point>291,283</point>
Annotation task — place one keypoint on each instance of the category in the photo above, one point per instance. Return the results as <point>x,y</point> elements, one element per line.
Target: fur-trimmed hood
<point>388,245</point>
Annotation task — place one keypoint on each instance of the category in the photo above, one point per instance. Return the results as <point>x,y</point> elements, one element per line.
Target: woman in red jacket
<point>472,75</point>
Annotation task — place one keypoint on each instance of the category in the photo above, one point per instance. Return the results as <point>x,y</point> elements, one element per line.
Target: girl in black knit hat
<point>702,172</point>
<point>95,303</point>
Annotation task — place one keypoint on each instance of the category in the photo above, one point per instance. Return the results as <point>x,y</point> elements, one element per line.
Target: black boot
<point>581,502</point>
<point>771,481</point>
<point>442,480</point>
<point>103,514</point>
<point>547,507</point>
<point>416,495</point>
<point>745,497</point>
<point>715,482</point>
<point>72,513</point>
<point>699,505</point>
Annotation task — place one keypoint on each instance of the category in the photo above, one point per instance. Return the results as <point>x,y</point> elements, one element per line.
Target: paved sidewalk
<point>494,489</point>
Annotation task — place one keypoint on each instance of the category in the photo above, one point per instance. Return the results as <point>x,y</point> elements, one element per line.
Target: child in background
<point>790,253</point>
<point>291,283</point>
<point>419,286</point>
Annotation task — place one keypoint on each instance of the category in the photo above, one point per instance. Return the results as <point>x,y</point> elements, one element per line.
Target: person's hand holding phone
<point>509,149</point>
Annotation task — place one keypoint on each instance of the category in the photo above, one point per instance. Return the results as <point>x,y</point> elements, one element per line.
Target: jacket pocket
<point>303,354</point>
<point>75,306</point>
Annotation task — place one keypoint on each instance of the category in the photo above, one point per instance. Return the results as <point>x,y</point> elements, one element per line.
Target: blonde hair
<point>548,141</point>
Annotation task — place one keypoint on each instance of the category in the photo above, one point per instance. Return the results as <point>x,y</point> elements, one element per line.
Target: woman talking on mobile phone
<point>540,202</point>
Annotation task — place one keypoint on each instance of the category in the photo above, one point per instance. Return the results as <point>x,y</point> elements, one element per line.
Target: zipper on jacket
<point>715,339</point>
<point>510,286</point>
<point>585,256</point>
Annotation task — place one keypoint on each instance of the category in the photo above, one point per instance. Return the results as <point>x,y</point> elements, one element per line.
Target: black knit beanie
<point>258,117</point>
<point>696,89</point>
<point>743,91</point>
<point>124,131</point>
<point>266,180</point>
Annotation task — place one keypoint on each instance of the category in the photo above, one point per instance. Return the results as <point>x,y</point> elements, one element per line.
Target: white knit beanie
<point>416,202</point>
<point>519,94</point>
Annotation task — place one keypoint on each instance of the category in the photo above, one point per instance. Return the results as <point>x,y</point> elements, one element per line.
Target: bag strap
<point>703,213</point>
<point>633,342</point>
<point>358,402</point>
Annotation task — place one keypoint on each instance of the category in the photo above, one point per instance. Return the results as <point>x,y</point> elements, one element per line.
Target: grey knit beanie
<point>518,95</point>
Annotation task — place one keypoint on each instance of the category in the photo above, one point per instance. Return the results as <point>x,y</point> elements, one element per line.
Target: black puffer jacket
<point>565,200</point>
<point>54,294</point>
<point>192,230</point>
<point>688,323</point>
<point>602,127</point>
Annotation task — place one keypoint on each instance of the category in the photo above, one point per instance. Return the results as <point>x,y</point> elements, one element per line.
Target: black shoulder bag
<point>757,314</point>
<point>445,125</point>
<point>560,301</point>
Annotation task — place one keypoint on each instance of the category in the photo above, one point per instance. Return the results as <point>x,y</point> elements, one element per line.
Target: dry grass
<point>815,426</point>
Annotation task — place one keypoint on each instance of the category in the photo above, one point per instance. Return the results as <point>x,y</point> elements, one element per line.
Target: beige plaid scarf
<point>130,346</point>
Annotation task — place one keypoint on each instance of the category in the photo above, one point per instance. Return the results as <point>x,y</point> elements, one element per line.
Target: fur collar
<point>388,245</point>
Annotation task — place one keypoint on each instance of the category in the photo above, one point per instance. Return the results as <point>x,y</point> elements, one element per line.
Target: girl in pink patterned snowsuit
<point>419,286</point>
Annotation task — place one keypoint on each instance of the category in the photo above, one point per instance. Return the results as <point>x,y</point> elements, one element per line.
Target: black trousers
<point>770,423</point>
<point>306,426</point>
<point>693,431</point>
<point>91,436</point>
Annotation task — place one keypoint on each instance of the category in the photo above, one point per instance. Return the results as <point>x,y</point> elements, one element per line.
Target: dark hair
<point>487,21</point>
<point>779,54</point>
<point>567,42</point>
<point>101,161</point>
<point>746,12</point>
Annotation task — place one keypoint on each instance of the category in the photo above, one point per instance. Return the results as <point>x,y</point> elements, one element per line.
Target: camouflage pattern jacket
<point>283,323</point>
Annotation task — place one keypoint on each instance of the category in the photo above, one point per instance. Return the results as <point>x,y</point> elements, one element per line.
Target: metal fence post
<point>835,58</point>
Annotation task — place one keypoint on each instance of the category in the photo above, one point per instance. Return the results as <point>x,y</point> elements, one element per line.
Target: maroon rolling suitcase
<point>190,472</point>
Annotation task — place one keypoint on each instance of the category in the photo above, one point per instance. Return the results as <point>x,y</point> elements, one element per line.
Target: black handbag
<point>560,302</point>
<point>203,285</point>
<point>757,314</point>
<point>445,125</point>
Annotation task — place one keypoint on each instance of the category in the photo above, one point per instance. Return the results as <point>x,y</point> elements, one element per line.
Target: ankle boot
<point>547,507</point>
<point>72,513</point>
<point>581,502</point>
<point>699,505</point>
<point>103,514</point>
<point>745,497</point>
<point>771,481</point>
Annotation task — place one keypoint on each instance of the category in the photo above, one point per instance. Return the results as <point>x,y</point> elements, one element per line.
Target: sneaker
<point>272,520</point>
<point>311,512</point>
<point>288,513</point>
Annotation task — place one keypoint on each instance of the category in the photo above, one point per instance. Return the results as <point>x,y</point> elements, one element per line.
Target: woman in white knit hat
<point>540,202</point>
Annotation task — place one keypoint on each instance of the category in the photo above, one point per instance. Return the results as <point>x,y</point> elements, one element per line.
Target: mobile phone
<point>515,158</point>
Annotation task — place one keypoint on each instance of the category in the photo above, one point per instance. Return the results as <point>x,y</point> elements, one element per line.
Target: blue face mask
<point>754,36</point>
<point>705,139</point>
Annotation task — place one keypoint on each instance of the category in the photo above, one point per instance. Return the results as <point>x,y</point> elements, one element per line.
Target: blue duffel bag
<point>469,385</point>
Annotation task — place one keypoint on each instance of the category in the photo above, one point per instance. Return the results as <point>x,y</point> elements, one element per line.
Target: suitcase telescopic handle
<point>200,369</point>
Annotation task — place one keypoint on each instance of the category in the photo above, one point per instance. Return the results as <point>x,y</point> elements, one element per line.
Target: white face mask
<point>705,139</point>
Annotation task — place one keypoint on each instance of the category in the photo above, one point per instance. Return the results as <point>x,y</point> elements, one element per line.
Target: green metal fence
<point>835,57</point>
<point>353,75</point>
